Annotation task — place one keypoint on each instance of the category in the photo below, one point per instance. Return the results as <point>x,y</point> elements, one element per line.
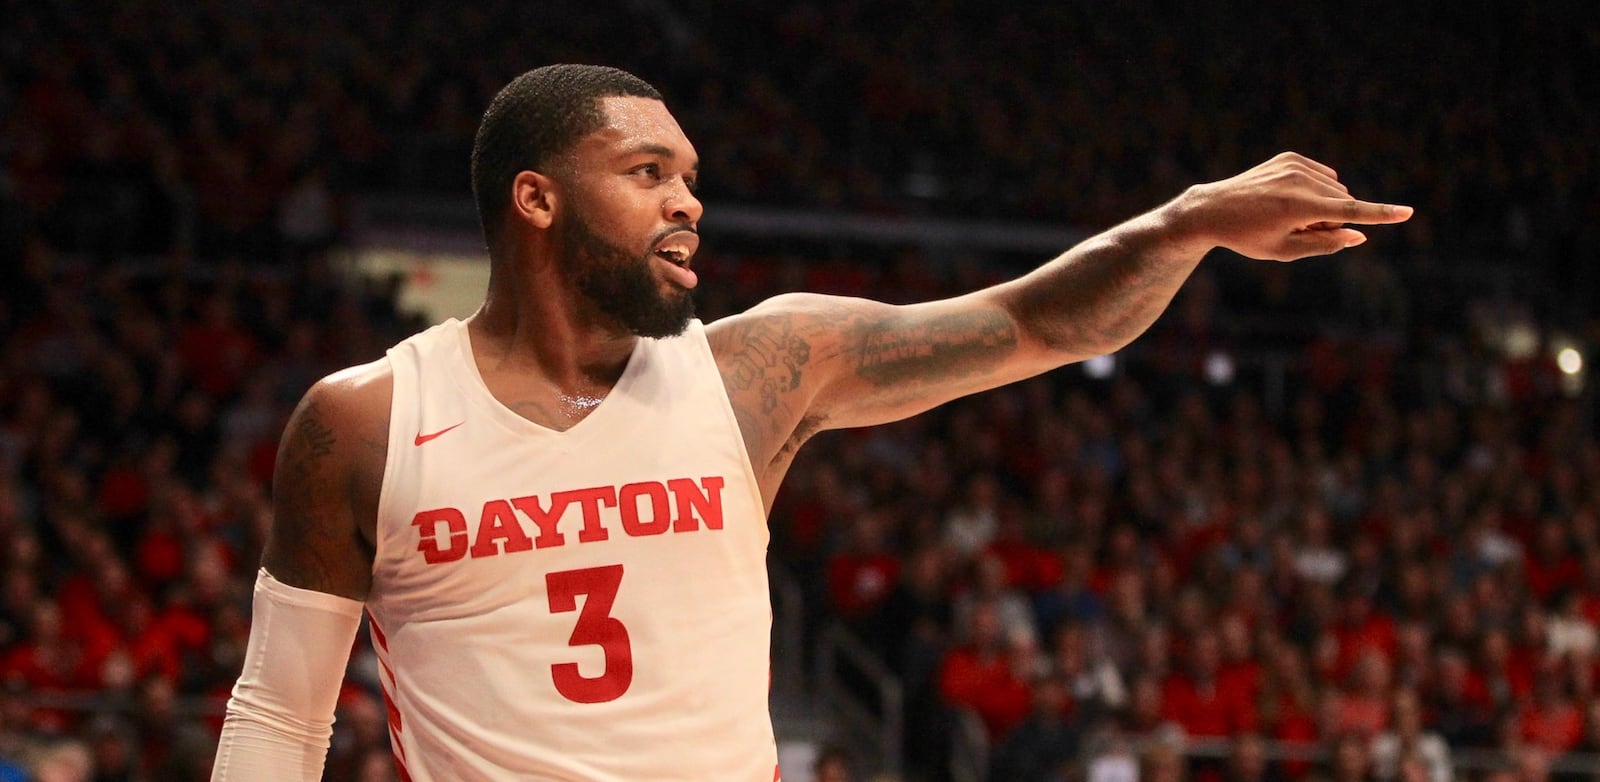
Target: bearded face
<point>621,284</point>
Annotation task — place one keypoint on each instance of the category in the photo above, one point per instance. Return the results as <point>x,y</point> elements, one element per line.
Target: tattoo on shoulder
<point>304,549</point>
<point>772,362</point>
<point>887,352</point>
<point>309,443</point>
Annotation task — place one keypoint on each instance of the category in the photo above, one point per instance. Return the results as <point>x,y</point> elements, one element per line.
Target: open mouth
<point>677,248</point>
<point>675,257</point>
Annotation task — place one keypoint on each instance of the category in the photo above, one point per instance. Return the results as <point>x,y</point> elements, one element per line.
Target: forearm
<point>1101,294</point>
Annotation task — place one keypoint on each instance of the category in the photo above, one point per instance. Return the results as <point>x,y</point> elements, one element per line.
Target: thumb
<point>1320,241</point>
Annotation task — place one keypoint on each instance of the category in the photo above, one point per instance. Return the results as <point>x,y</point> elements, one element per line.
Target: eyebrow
<point>662,150</point>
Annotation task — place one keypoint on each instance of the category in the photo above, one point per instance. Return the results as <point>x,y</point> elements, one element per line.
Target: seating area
<point>1331,520</point>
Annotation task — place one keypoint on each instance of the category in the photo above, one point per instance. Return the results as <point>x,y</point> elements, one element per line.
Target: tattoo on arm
<point>761,373</point>
<point>958,344</point>
<point>1099,296</point>
<point>309,443</point>
<point>772,362</point>
<point>309,546</point>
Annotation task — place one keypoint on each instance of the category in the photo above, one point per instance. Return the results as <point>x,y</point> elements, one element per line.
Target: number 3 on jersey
<point>595,627</point>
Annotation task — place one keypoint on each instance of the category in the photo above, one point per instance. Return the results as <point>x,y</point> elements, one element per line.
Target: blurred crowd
<point>1399,567</point>
<point>139,418</point>
<point>1073,561</point>
<point>1393,568</point>
<point>1390,560</point>
<point>239,126</point>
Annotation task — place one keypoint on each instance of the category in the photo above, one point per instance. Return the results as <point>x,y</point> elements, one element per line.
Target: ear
<point>533,198</point>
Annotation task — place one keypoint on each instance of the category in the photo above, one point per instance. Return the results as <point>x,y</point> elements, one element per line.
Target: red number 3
<point>595,627</point>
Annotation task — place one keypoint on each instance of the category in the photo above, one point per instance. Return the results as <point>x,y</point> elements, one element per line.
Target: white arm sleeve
<point>281,714</point>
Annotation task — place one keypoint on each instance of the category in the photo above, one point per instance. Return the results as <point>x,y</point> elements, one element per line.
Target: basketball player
<point>554,512</point>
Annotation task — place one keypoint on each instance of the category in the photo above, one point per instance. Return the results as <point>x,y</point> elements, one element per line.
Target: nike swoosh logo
<point>422,438</point>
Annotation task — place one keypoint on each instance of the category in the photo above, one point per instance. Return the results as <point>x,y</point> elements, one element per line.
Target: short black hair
<point>534,119</point>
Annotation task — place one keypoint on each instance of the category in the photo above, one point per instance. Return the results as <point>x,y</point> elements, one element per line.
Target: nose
<point>682,206</point>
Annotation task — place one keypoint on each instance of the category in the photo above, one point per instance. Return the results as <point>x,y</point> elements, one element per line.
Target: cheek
<point>620,215</point>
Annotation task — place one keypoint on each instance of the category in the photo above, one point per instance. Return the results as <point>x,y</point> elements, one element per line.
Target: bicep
<point>318,497</point>
<point>826,362</point>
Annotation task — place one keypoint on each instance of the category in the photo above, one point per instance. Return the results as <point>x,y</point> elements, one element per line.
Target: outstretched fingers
<point>1317,241</point>
<point>1350,210</point>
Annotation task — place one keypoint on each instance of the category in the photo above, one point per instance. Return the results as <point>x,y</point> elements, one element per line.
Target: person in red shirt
<point>1458,704</point>
<point>1361,629</point>
<point>1550,566</point>
<point>1363,708</point>
<point>1240,670</point>
<point>215,350</point>
<point>1287,703</point>
<point>1195,699</point>
<point>861,577</point>
<point>1507,677</point>
<point>1550,719</point>
<point>48,661</point>
<point>989,673</point>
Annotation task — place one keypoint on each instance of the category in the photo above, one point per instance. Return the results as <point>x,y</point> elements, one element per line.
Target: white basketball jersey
<point>579,605</point>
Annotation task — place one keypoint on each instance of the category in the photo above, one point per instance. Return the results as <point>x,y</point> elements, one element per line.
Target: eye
<point>651,170</point>
<point>692,183</point>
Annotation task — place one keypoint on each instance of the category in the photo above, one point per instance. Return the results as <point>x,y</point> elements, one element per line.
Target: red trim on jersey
<point>377,632</point>
<point>396,723</point>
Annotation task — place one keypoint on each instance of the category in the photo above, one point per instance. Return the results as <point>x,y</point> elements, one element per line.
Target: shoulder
<point>779,313</point>
<point>362,390</point>
<point>769,358</point>
<point>327,481</point>
<point>353,401</point>
<point>793,329</point>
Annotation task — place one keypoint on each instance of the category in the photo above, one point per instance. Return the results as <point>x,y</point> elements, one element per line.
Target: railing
<point>788,630</point>
<point>1472,760</point>
<point>885,725</point>
<point>104,702</point>
<point>969,748</point>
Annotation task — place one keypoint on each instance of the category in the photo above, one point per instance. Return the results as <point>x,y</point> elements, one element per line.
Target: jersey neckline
<point>477,389</point>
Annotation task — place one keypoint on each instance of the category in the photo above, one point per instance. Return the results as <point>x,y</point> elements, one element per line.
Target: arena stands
<point>1336,519</point>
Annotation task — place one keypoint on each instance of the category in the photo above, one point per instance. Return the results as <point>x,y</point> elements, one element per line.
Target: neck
<point>533,319</point>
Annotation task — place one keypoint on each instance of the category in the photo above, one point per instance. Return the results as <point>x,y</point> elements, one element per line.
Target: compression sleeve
<point>281,714</point>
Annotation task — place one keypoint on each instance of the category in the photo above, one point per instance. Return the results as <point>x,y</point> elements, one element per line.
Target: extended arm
<point>315,574</point>
<point>801,363</point>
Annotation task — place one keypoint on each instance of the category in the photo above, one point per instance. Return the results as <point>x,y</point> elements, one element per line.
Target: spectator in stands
<point>862,576</point>
<point>991,588</point>
<point>1095,686</point>
<point>1196,698</point>
<point>1248,761</point>
<point>991,673</point>
<point>1042,745</point>
<point>972,524</point>
<point>1348,760</point>
<point>64,761</point>
<point>1460,706</point>
<point>1550,719</point>
<point>1362,708</point>
<point>1163,761</point>
<point>832,765</point>
<point>1408,741</point>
